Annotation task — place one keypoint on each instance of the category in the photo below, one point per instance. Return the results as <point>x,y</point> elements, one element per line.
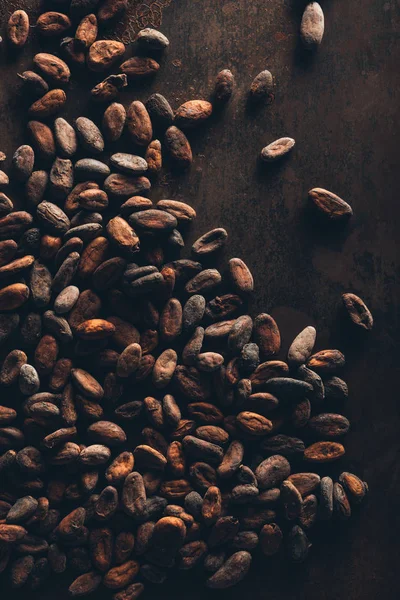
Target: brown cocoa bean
<point>109,10</point>
<point>341,504</point>
<point>329,426</point>
<point>103,54</point>
<point>309,512</point>
<point>106,432</point>
<point>354,487</point>
<point>358,311</point>
<point>52,67</point>
<point>330,205</point>
<point>13,296</point>
<point>262,86</point>
<point>138,67</point>
<point>86,32</point>
<point>101,548</point>
<point>120,468</point>
<point>85,584</point>
<point>164,368</point>
<point>193,113</point>
<point>139,124</point>
<point>113,123</point>
<point>224,86</point>
<point>272,471</point>
<point>48,105</point>
<point>18,28</point>
<point>231,572</point>
<point>87,384</point>
<point>253,423</point>
<point>326,361</point>
<point>52,23</point>
<point>271,539</point>
<point>298,545</point>
<point>178,148</point>
<point>42,138</point>
<point>322,452</point>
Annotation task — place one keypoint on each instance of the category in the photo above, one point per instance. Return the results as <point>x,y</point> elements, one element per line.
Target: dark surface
<point>341,106</point>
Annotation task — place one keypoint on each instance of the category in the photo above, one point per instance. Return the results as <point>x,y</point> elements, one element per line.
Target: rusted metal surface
<point>341,106</point>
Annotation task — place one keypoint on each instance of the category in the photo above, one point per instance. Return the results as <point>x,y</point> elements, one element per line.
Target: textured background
<point>341,106</point>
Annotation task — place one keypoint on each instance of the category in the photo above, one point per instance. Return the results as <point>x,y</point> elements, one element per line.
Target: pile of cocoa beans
<point>146,423</point>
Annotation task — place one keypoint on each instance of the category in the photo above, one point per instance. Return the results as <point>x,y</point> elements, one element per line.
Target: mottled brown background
<point>342,107</point>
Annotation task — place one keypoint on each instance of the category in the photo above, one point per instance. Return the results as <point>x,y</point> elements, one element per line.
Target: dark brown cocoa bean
<point>21,569</point>
<point>329,426</point>
<point>33,84</point>
<point>191,554</point>
<point>315,380</point>
<point>224,86</point>
<point>85,584</point>
<point>284,445</point>
<point>341,504</point>
<point>202,475</point>
<point>87,385</point>
<point>271,539</point>
<point>193,347</point>
<point>262,86</point>
<point>326,499</point>
<point>301,414</point>
<point>35,187</point>
<point>23,509</point>
<point>231,572</point>
<point>309,512</point>
<point>148,457</point>
<point>22,162</point>
<point>178,148</point>
<point>160,111</point>
<point>297,545</point>
<point>89,135</point>
<point>201,449</point>
<point>272,471</point>
<point>101,548</point>
<point>108,90</point>
<point>134,495</point>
